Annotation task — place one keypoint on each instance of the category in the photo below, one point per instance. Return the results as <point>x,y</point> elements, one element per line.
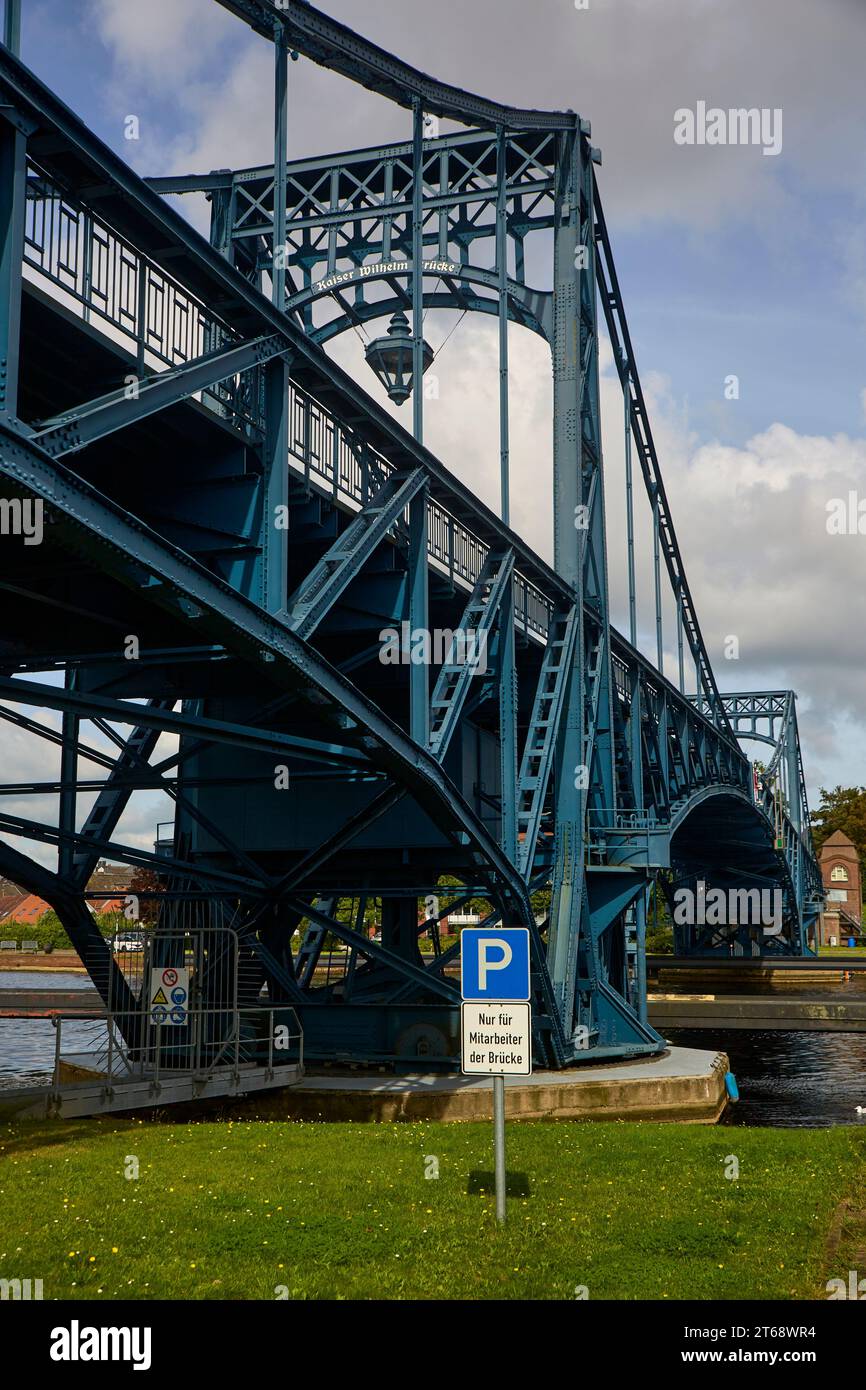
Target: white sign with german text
<point>496,1039</point>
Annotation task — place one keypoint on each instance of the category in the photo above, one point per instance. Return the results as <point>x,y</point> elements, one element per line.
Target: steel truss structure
<point>231,524</point>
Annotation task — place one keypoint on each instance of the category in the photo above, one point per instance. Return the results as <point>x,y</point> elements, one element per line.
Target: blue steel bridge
<point>231,520</point>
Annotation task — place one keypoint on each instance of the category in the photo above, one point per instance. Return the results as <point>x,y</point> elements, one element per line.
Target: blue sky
<point>730,262</point>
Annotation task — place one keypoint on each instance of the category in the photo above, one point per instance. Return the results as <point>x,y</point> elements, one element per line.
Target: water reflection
<point>789,1079</point>
<point>27,1044</point>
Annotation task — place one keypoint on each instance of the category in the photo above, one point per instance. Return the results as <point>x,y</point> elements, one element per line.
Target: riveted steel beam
<point>173,581</point>
<point>75,429</point>
<point>324,40</point>
<point>343,561</point>
<point>163,719</point>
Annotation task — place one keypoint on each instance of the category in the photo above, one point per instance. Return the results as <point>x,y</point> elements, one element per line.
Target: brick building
<point>840,870</point>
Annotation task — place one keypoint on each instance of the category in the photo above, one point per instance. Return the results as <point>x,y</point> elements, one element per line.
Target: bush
<point>49,932</point>
<point>660,939</point>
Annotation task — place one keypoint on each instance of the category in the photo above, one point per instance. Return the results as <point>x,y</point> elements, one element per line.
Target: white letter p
<point>485,963</point>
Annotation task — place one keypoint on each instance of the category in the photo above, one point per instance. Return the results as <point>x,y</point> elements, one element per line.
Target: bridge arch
<point>723,839</point>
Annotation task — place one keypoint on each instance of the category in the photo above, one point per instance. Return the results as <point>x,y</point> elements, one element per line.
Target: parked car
<point>128,941</point>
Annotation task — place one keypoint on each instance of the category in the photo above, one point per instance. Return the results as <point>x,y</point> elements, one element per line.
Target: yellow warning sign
<point>169,995</point>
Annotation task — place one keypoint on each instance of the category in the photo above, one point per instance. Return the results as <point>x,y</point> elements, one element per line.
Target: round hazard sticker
<point>169,977</point>
<point>178,996</point>
<point>159,1014</point>
<point>178,1015</point>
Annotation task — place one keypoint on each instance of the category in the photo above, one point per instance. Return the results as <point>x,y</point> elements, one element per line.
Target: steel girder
<point>75,429</point>
<point>175,583</point>
<point>344,560</point>
<point>350,217</point>
<point>483,609</point>
<point>88,523</point>
<point>323,39</point>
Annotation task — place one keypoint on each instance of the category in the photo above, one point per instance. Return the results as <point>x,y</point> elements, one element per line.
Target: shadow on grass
<point>30,1136</point>
<point>483,1184</point>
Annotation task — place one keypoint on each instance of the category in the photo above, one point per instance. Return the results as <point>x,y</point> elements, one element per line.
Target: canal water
<point>27,1044</point>
<point>784,1079</point>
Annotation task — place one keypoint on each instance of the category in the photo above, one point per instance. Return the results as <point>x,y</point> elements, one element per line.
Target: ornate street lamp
<point>391,358</point>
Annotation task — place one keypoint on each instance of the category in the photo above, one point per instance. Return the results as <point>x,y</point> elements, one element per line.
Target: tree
<point>145,881</point>
<point>843,808</point>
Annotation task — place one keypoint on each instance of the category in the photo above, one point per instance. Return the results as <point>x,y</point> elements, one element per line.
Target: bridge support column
<point>13,181</point>
<point>275,534</point>
<point>571,783</point>
<point>400,928</point>
<point>12,26</point>
<point>585,765</point>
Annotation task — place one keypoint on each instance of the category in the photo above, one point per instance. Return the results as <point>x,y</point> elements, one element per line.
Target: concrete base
<point>713,1011</point>
<point>817,977</point>
<point>682,1085</point>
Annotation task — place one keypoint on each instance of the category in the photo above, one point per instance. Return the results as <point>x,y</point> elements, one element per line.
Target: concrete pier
<point>761,1012</point>
<point>684,1084</point>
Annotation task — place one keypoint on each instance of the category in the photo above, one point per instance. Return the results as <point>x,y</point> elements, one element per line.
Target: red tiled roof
<point>9,901</point>
<point>29,909</point>
<point>102,905</point>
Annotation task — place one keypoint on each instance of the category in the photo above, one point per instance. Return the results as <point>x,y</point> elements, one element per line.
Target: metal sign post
<point>496,1021</point>
<point>499,1145</point>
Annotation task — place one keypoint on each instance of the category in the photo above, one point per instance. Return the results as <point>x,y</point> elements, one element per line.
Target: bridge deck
<point>103,1097</point>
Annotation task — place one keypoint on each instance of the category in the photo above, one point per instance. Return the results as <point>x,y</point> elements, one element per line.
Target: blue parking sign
<point>494,963</point>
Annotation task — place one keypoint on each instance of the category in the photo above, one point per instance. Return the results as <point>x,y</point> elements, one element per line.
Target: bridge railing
<point>210,1038</point>
<point>101,275</point>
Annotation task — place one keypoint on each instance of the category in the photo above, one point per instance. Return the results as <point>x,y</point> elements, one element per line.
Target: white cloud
<point>761,565</point>
<point>162,42</point>
<point>28,758</point>
<point>628,65</point>
<point>208,67</point>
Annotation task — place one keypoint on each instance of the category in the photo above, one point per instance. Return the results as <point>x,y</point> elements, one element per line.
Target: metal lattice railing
<point>219,1019</point>
<point>103,277</point>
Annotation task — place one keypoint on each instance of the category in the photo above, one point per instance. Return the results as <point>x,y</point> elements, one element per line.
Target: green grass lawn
<point>236,1209</point>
